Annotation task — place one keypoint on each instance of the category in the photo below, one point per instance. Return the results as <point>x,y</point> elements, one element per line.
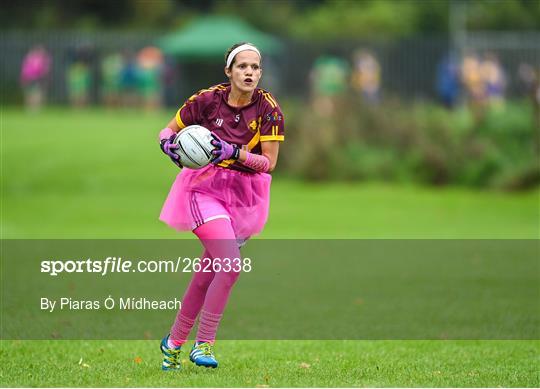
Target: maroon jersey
<point>259,121</point>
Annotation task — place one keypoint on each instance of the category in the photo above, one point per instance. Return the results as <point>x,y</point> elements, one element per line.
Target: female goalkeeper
<point>227,201</point>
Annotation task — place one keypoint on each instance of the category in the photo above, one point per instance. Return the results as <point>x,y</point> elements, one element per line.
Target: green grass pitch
<point>99,174</point>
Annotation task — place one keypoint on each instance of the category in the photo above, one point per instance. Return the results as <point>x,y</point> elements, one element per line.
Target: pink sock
<point>180,331</point>
<point>208,324</point>
<point>192,303</point>
<point>219,240</point>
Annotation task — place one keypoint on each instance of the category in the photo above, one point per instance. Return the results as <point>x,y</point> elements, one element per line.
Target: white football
<point>194,146</point>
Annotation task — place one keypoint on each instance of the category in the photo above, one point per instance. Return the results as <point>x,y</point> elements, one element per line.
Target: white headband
<point>239,49</point>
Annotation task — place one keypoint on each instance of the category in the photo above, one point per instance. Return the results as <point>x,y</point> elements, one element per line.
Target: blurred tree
<point>87,14</point>
<point>432,17</point>
<point>145,13</point>
<point>278,15</point>
<point>62,13</point>
<point>351,19</point>
<point>305,19</point>
<point>503,15</point>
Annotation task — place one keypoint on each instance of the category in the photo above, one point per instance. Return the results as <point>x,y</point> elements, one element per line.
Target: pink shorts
<point>205,208</point>
<point>199,196</point>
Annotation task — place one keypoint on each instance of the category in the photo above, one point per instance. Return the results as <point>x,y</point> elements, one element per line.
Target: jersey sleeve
<point>190,113</point>
<point>273,125</point>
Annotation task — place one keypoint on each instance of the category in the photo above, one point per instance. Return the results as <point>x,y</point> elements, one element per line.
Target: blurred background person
<point>448,81</point>
<point>529,78</point>
<point>169,81</point>
<point>34,72</point>
<point>329,82</point>
<point>366,76</point>
<point>149,68</point>
<point>79,81</point>
<point>494,80</point>
<point>111,72</point>
<point>129,81</point>
<point>474,85</point>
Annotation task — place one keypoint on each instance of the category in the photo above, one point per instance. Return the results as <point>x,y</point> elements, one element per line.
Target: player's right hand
<point>168,147</point>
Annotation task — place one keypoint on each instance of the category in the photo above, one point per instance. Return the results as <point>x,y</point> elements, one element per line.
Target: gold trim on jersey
<point>220,87</point>
<point>179,121</point>
<point>267,138</point>
<point>254,141</point>
<point>275,131</point>
<point>268,98</point>
<point>272,99</point>
<point>226,163</point>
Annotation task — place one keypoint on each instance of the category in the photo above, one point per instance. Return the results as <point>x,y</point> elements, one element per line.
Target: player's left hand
<point>223,150</point>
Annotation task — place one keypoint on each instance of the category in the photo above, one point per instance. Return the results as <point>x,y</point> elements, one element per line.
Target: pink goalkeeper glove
<point>168,146</point>
<point>223,150</point>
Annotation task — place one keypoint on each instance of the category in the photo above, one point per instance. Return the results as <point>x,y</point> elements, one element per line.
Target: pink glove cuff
<point>257,162</point>
<point>166,133</point>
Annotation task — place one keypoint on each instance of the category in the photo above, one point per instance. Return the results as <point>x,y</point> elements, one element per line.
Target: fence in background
<point>408,66</point>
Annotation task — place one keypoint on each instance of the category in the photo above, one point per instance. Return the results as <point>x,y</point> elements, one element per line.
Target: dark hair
<point>229,51</point>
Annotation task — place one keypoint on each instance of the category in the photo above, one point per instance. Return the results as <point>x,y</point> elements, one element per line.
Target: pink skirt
<point>198,196</point>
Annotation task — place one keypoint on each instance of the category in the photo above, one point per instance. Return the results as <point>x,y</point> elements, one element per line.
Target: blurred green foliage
<point>98,173</point>
<point>423,143</point>
<point>504,14</point>
<point>302,19</point>
<point>370,19</point>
